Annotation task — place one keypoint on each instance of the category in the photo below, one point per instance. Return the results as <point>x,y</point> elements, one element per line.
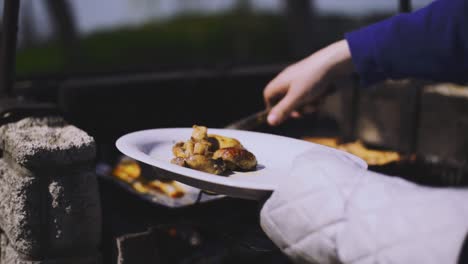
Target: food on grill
<point>129,171</point>
<point>326,141</point>
<point>212,153</point>
<point>139,187</point>
<point>172,188</point>
<point>372,157</point>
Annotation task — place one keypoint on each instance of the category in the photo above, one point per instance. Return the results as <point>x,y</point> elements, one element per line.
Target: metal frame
<point>8,48</point>
<point>405,6</point>
<point>11,108</point>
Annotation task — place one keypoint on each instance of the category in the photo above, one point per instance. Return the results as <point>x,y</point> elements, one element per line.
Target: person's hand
<point>331,210</point>
<point>302,83</point>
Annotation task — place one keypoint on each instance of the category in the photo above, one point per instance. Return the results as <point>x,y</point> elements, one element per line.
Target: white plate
<point>275,155</point>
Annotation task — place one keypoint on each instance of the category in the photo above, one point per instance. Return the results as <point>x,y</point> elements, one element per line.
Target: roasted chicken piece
<point>236,158</point>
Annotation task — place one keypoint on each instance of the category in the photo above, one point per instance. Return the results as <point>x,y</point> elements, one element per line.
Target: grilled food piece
<point>236,158</point>
<point>179,150</point>
<point>127,170</point>
<point>212,153</point>
<point>225,142</point>
<point>140,187</point>
<point>170,188</point>
<point>371,156</point>
<point>179,161</point>
<point>206,164</point>
<point>199,133</point>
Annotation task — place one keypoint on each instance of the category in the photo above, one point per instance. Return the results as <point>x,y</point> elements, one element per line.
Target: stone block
<point>37,143</point>
<point>49,206</point>
<point>10,256</point>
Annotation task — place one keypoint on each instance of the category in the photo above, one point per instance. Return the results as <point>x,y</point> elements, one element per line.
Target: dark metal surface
<point>405,6</point>
<point>8,48</point>
<point>428,172</point>
<point>12,110</point>
<point>250,122</point>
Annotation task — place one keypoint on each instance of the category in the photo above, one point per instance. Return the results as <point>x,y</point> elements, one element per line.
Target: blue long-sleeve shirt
<point>431,43</point>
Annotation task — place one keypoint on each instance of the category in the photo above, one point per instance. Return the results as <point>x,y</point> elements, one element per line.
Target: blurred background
<point>60,37</point>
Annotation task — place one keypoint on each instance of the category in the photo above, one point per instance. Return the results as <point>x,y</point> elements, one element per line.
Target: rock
<point>49,206</point>
<point>43,142</point>
<point>10,256</point>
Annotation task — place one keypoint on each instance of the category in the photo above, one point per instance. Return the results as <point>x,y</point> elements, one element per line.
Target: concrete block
<point>38,143</point>
<point>21,208</point>
<point>49,206</point>
<point>10,256</point>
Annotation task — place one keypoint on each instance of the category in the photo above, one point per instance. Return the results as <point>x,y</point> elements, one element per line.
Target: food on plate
<point>205,163</point>
<point>225,142</point>
<point>236,158</point>
<point>129,171</point>
<point>372,157</point>
<point>212,153</point>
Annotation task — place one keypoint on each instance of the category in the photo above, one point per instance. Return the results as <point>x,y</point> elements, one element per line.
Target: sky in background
<point>90,12</point>
<point>92,15</point>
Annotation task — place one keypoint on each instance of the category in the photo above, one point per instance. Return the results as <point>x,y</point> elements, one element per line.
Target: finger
<point>284,108</point>
<point>275,90</point>
<point>296,114</point>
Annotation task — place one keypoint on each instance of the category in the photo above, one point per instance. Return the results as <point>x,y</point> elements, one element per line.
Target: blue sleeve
<point>431,44</point>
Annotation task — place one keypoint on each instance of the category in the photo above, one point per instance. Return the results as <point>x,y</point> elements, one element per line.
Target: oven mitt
<point>331,210</point>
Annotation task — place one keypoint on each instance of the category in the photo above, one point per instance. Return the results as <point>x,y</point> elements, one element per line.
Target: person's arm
<point>305,81</point>
<point>431,44</point>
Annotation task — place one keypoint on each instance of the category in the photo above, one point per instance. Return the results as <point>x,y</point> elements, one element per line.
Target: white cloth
<point>331,210</point>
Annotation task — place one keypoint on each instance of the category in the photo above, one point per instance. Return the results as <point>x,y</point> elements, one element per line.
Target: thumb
<point>283,109</point>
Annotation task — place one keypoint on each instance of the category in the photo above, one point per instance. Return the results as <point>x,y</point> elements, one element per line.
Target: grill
<point>227,230</point>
